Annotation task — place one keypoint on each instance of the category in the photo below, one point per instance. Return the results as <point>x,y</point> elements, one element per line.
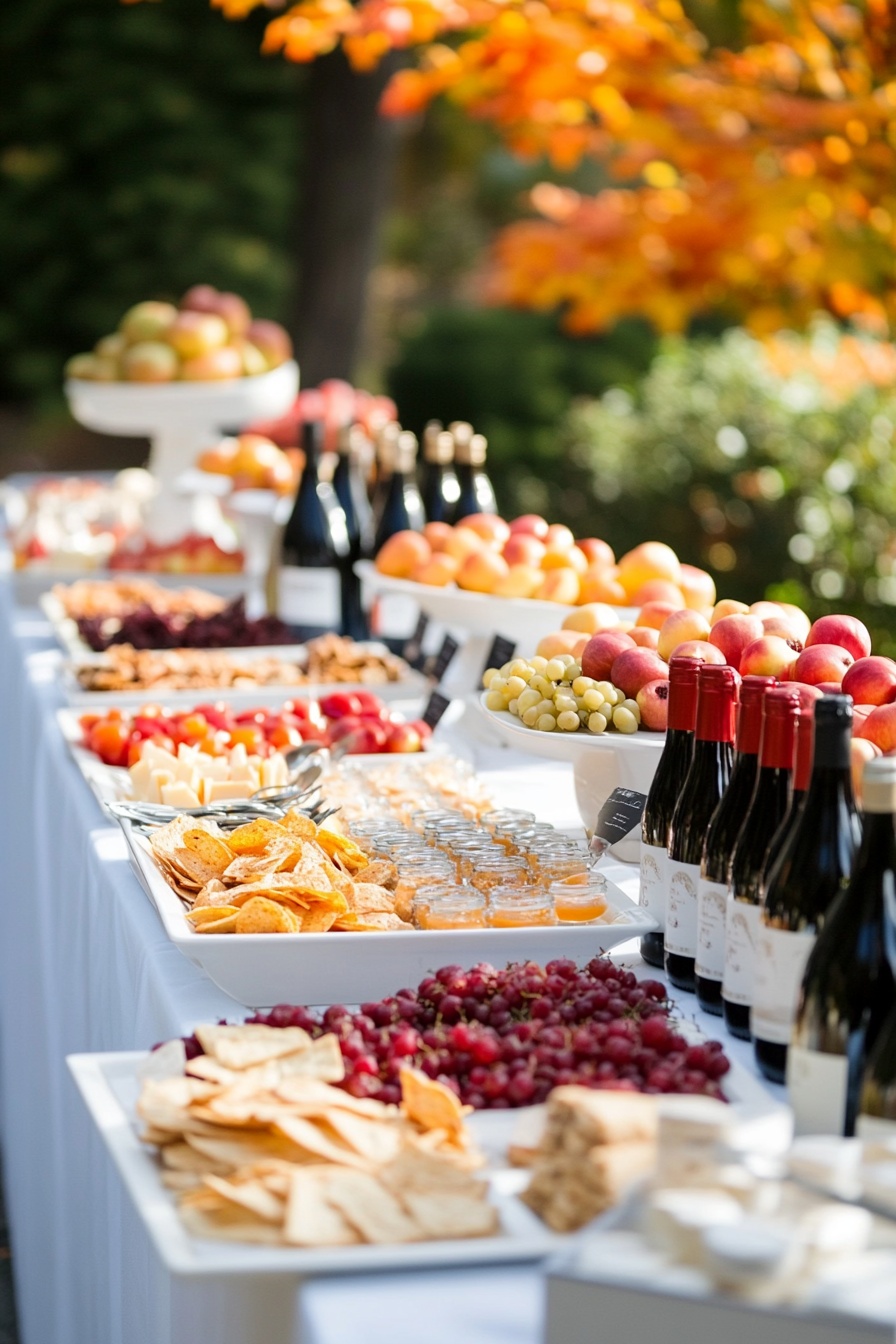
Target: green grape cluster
<point>551,695</point>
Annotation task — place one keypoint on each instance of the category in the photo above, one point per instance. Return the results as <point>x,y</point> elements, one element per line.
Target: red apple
<point>601,651</point>
<point>822,662</point>
<point>654,614</point>
<point>681,626</point>
<point>769,656</point>
<point>871,681</point>
<point>653,702</point>
<point>846,631</point>
<point>699,648</point>
<point>531,524</point>
<point>271,339</point>
<point>403,737</point>
<point>859,715</point>
<point>785,627</point>
<point>808,694</point>
<point>732,634</point>
<point>880,727</point>
<point>633,668</point>
<point>521,548</point>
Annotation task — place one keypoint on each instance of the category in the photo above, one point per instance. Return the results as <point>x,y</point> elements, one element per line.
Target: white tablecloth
<point>85,966</point>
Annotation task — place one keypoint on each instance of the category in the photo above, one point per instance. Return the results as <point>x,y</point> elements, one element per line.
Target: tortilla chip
<point>249,1195</point>
<point>429,1103</point>
<point>179,1181</point>
<point>236,1150</point>
<point>382,873</point>
<point>209,848</point>
<point>248,1045</point>
<point>299,824</point>
<point>314,1140</point>
<point>370,1208</point>
<point>183,1157</point>
<point>317,918</point>
<point>375,923</point>
<point>366,898</point>
<point>341,849</point>
<point>447,1214</point>
<point>205,913</point>
<point>311,1220</point>
<point>255,835</point>
<point>377,1141</point>
<point>210,894</point>
<point>228,1223</point>
<point>417,1169</point>
<point>260,915</point>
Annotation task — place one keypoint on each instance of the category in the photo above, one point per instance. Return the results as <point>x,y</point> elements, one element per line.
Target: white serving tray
<point>412,685</point>
<point>109,1087</point>
<point>524,619</point>
<point>263,969</point>
<point>33,581</point>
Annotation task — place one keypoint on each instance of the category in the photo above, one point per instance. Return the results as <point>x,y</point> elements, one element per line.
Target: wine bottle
<point>811,869</point>
<point>876,1117</point>
<point>315,538</point>
<point>349,483</point>
<point>706,781</point>
<point>665,790</point>
<point>476,494</point>
<point>769,803</point>
<point>385,449</point>
<point>712,889</point>
<point>402,506</point>
<point>440,489</point>
<point>848,987</point>
<point>802,773</point>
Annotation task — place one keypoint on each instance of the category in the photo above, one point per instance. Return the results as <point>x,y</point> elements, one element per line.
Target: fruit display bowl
<point>602,762</point>
<point>180,419</point>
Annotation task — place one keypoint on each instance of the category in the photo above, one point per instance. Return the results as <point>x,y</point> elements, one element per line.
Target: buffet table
<point>85,965</point>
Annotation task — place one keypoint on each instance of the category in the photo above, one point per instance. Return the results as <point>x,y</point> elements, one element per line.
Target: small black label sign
<point>501,652</point>
<point>435,708</point>
<point>413,649</point>
<point>439,664</point>
<point>619,816</point>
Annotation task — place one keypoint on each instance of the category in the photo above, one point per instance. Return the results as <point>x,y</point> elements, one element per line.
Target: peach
<point>650,560</point>
<point>728,607</point>
<point>149,362</point>
<point>871,681</point>
<point>599,584</point>
<point>601,652</point>
<point>659,590</point>
<point>192,334</point>
<point>634,668</point>
<point>402,553</point>
<point>489,527</point>
<point>555,558</point>
<point>845,631</point>
<point>220,364</point>
<point>596,551</point>
<point>679,627</point>
<point>519,581</point>
<point>437,534</point>
<point>764,609</point>
<point>531,524</point>
<point>482,571</point>
<point>561,641</point>
<point>652,614</point>
<point>880,727</point>
<point>271,339</point>
<point>645,637</point>
<point>822,662</point>
<point>808,694</point>
<point>797,615</point>
<point>859,715</point>
<point>591,618</point>
<point>235,312</point>
<point>861,751</point>
<point>653,702</point>
<point>559,585</point>
<point>769,656</point>
<point>463,542</point>
<point>147,321</point>
<point>438,571</point>
<point>559,538</point>
<point>732,634</point>
<point>699,648</point>
<point>786,628</point>
<point>579,647</point>
<point>522,549</point>
<point>698,587</point>
<point>200,298</point>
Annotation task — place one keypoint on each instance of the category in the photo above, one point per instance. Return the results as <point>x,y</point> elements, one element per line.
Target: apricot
<point>402,553</point>
<point>650,560</point>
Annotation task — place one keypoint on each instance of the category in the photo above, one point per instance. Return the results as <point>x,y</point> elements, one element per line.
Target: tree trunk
<point>350,151</point>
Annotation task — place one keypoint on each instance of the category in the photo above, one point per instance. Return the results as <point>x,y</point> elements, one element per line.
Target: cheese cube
<point>179,794</point>
<point>225,790</point>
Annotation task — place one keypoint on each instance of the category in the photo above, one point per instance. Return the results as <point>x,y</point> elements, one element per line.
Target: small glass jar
<point>428,892</point>
<point>441,833</point>
<point>517,907</point>
<point>506,816</point>
<point>499,870</point>
<point>578,900</point>
<point>469,853</point>
<point>458,908</point>
<point>552,862</point>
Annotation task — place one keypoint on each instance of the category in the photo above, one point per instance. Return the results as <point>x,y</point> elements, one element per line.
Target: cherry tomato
<point>300,708</point>
<point>211,746</point>
<point>217,715</point>
<point>194,726</point>
<point>146,726</point>
<point>284,736</point>
<point>110,741</point>
<point>87,721</point>
<point>341,703</point>
<point>250,737</point>
<point>370,703</point>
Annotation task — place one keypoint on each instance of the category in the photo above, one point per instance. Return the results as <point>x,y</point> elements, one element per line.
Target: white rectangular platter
<point>263,969</point>
<point>109,1086</point>
<point>412,684</point>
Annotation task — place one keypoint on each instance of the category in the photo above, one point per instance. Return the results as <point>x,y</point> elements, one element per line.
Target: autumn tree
<point>753,175</point>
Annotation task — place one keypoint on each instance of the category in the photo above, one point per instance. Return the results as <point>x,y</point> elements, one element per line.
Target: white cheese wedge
<point>160,780</point>
<point>141,778</point>
<point>179,794</point>
<point>213,767</point>
<point>224,790</point>
<point>238,755</point>
<point>158,758</point>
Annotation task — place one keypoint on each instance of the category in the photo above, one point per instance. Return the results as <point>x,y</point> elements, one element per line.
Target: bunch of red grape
<point>505,1038</point>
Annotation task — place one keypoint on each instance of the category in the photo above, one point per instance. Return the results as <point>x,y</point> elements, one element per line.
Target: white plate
<point>525,620</point>
<point>603,762</point>
<point>263,969</point>
<point>410,686</point>
<point>109,1088</point>
<point>30,583</point>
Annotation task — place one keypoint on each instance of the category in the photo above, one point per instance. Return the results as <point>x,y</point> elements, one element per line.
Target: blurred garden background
<point>646,250</point>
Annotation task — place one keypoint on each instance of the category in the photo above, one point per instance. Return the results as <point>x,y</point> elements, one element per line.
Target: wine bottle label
<point>652,897</point>
<point>309,597</point>
<point>681,908</point>
<point>712,906</point>
<point>781,956</point>
<point>741,933</point>
<point>817,1087</point>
